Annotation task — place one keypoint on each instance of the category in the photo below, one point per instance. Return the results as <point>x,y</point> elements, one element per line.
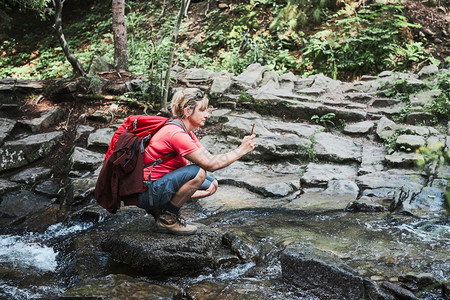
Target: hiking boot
<point>175,224</point>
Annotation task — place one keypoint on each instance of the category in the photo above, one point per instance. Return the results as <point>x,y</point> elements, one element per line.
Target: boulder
<point>47,119</point>
<point>333,148</point>
<point>22,203</point>
<point>324,275</point>
<point>252,76</point>
<point>6,126</point>
<point>18,153</point>
<point>136,245</point>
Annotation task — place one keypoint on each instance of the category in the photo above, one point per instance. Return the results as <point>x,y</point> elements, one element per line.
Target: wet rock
<point>47,119</point>
<point>333,148</point>
<point>343,187</point>
<point>420,280</point>
<point>324,275</point>
<point>6,126</point>
<point>78,189</point>
<point>18,153</point>
<point>429,199</point>
<point>119,286</point>
<point>365,204</point>
<point>136,245</point>
<point>22,203</point>
<point>384,184</point>
<point>398,291</point>
<point>7,186</point>
<point>315,199</point>
<point>243,248</point>
<point>446,290</point>
<point>48,188</point>
<point>32,175</point>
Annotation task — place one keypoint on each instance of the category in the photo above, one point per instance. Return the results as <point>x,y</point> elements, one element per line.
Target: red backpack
<point>122,175</point>
<point>139,125</point>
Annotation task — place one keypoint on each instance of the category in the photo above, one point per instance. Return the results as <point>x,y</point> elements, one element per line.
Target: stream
<point>380,246</point>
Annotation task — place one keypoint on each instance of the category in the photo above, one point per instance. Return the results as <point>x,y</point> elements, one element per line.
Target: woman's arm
<point>211,163</point>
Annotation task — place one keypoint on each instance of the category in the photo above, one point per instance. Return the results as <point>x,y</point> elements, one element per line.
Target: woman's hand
<point>248,143</point>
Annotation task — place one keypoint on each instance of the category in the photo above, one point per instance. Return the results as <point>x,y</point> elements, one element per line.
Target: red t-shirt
<point>170,138</point>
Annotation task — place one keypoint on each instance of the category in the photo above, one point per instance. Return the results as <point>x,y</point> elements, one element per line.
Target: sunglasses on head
<point>198,95</point>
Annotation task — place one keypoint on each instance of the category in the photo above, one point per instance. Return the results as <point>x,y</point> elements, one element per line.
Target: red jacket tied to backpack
<point>122,173</point>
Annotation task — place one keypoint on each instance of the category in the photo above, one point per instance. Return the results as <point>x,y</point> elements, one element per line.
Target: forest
<point>341,39</point>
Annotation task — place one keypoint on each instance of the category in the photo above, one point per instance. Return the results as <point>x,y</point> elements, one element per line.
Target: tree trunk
<point>76,65</point>
<point>120,35</point>
<point>170,61</point>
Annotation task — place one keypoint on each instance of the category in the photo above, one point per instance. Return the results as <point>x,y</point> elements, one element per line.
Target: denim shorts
<point>164,188</point>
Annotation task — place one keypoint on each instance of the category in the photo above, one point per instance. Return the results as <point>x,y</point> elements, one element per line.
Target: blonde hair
<point>189,97</point>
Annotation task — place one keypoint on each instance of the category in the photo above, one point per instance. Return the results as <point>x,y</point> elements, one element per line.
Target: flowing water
<point>380,246</point>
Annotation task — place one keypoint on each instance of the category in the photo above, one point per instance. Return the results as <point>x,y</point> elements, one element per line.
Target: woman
<point>183,173</point>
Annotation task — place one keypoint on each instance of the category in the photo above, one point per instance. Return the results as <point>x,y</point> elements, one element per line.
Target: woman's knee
<point>200,177</point>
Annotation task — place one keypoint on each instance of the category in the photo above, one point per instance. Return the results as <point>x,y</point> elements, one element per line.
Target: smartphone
<point>253,129</point>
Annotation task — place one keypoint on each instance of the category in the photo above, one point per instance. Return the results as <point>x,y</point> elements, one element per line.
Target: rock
<point>260,179</point>
<point>7,186</point>
<point>403,160</point>
<point>220,86</point>
<point>252,76</point>
<point>429,199</point>
<point>98,65</point>
<point>82,129</point>
<point>22,203</point>
<point>100,139</point>
<point>321,174</point>
<point>197,74</point>
<point>324,275</point>
<point>83,159</point>
<point>271,76</point>
<point>48,188</point>
<point>424,98</point>
<point>342,187</point>
<point>136,245</point>
<point>79,189</point>
<point>410,141</point>
<point>359,128</point>
<point>101,116</point>
<point>333,148</point>
<point>365,204</point>
<point>323,82</point>
<point>18,153</point>
<point>384,184</point>
<point>242,248</point>
<point>6,126</point>
<point>47,119</point>
<point>384,102</point>
<point>386,128</point>
<point>398,291</point>
<point>119,286</point>
<point>428,70</point>
<point>421,280</point>
<point>372,159</point>
<point>233,198</point>
<point>419,117</point>
<point>32,175</point>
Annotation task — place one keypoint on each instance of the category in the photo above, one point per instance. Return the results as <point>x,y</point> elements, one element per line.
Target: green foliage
<point>326,120</point>
<point>362,42</point>
<point>390,141</point>
<point>441,105</point>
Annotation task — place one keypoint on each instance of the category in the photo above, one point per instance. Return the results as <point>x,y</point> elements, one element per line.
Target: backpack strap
<point>160,160</point>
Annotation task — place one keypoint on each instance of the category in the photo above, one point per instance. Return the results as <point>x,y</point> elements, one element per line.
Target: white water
<point>23,252</point>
